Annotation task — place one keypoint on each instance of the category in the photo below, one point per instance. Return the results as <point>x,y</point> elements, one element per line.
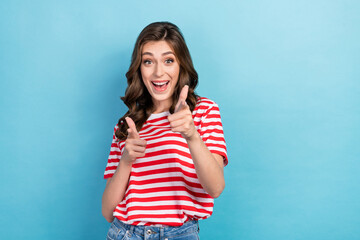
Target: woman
<point>168,151</point>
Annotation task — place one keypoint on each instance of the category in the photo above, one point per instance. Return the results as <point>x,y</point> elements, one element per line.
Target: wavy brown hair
<point>137,97</point>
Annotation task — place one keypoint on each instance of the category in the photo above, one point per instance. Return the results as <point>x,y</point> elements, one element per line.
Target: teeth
<point>159,84</point>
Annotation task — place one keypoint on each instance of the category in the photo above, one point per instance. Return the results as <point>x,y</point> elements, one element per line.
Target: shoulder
<point>204,107</point>
<point>116,129</point>
<point>204,101</point>
<point>205,104</point>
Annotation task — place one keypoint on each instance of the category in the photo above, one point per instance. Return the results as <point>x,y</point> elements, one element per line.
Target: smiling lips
<point>160,86</point>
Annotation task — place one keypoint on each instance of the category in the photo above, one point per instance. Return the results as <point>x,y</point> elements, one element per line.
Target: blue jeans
<point>121,231</point>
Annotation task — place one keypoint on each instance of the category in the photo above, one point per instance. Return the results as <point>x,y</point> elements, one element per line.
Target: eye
<point>147,61</point>
<point>169,60</point>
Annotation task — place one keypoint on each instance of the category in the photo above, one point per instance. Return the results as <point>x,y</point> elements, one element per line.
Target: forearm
<point>115,190</point>
<point>208,169</point>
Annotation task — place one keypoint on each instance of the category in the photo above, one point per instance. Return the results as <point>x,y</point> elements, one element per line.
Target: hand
<point>181,120</point>
<point>134,146</point>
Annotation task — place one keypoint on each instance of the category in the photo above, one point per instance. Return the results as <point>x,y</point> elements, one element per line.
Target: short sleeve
<point>211,132</point>
<point>114,156</point>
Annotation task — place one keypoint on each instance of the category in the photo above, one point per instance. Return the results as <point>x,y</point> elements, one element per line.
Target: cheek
<point>175,72</point>
<point>145,74</point>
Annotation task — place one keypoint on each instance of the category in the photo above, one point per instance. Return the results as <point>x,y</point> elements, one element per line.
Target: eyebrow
<point>165,53</point>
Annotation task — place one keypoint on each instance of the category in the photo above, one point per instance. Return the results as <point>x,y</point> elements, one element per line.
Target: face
<point>160,72</point>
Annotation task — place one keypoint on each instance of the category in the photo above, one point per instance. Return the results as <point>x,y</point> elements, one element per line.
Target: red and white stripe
<point>163,186</point>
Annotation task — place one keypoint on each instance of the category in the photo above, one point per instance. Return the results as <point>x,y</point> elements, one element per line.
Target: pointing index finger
<point>184,93</point>
<point>182,98</point>
<point>133,133</point>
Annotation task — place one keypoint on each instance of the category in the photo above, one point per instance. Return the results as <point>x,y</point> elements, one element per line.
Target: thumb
<point>133,133</point>
<point>182,98</point>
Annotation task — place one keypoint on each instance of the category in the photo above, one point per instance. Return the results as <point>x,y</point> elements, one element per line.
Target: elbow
<point>215,195</point>
<point>110,220</point>
<point>217,192</point>
<point>107,216</point>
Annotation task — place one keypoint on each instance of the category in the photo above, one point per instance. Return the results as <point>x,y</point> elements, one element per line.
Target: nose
<point>159,70</point>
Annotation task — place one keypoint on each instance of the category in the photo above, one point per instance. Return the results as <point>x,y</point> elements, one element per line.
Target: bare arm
<point>115,190</point>
<point>116,186</point>
<point>208,166</point>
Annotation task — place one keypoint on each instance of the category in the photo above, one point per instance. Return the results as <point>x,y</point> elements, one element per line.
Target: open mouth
<point>160,86</point>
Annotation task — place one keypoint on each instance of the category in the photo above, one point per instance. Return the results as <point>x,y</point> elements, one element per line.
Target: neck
<point>161,106</point>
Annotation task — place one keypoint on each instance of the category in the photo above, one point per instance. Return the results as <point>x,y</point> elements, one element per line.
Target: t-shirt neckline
<point>157,115</point>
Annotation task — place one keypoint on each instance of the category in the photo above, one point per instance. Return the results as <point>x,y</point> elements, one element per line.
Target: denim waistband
<point>166,231</point>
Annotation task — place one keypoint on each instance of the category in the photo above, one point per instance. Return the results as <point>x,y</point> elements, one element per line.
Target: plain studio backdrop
<point>284,73</point>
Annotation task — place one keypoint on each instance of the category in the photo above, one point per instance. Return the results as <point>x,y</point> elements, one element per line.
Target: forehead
<point>157,47</point>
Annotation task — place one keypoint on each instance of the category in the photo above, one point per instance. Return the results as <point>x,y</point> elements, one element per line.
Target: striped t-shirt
<point>163,186</point>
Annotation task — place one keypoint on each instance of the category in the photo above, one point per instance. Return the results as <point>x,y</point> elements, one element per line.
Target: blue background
<point>284,73</point>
